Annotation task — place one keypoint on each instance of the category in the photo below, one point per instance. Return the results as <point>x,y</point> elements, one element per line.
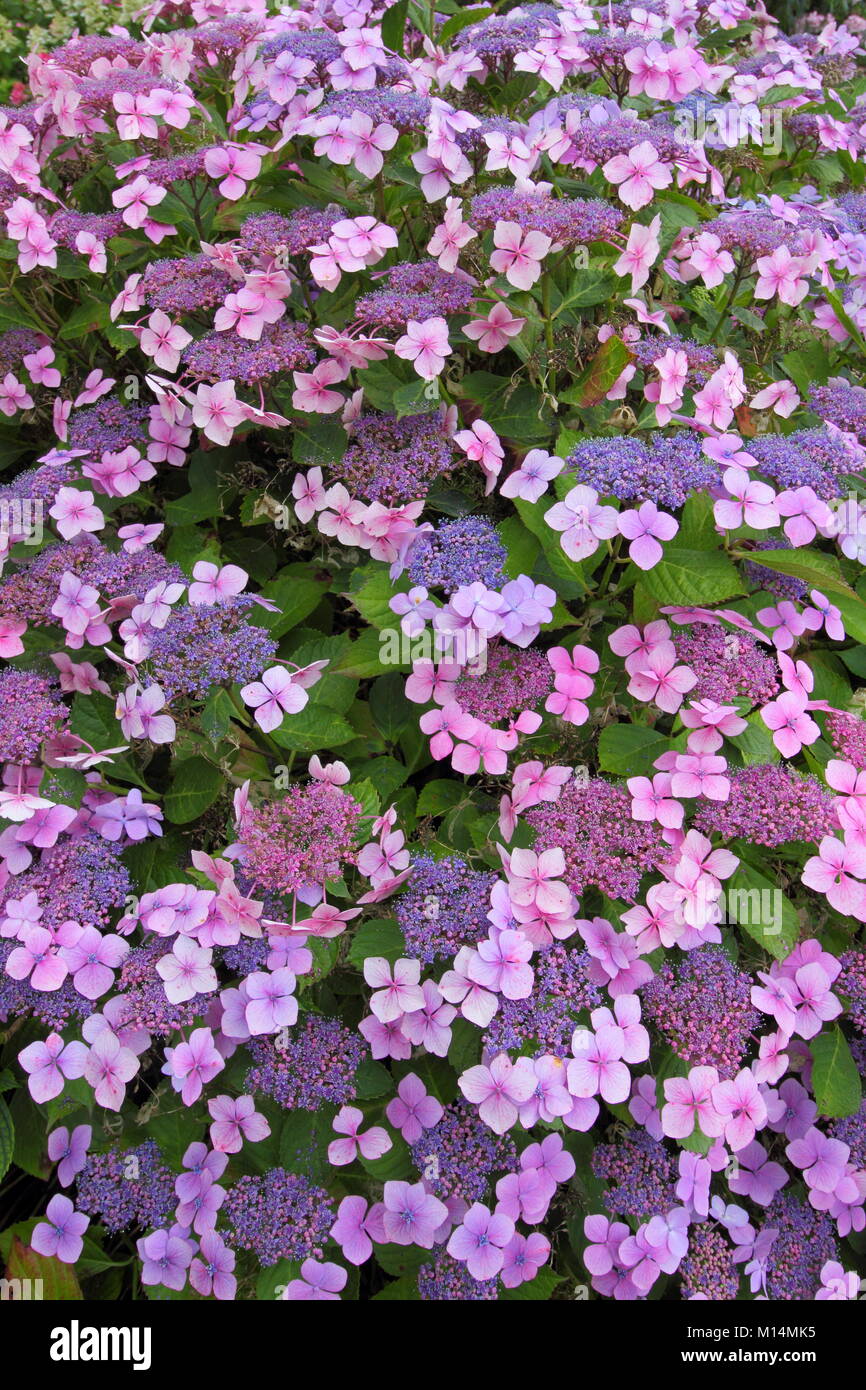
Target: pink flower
<point>781,274</point>
<point>235,166</point>
<point>412,1215</point>
<point>426,345</point>
<point>653,801</point>
<point>499,1090</point>
<point>709,260</point>
<point>835,872</point>
<point>309,494</point>
<point>37,959</point>
<point>217,411</point>
<point>444,722</point>
<point>235,1119</point>
<point>451,235</point>
<point>494,332</point>
<point>781,397</point>
<point>163,340</point>
<point>397,994</point>
<point>583,522</point>
<point>751,502</point>
<point>191,1065</point>
<point>481,444</point>
<point>60,1235</point>
<point>638,174</point>
<point>311,392</point>
<point>75,513</point>
<point>640,253</point>
<point>741,1106</point>
<point>661,680</point>
<point>109,1066</point>
<point>214,582</point>
<point>792,727</point>
<point>644,527</point>
<point>93,959</point>
<point>277,693</point>
<point>372,1144</point>
<point>597,1068</point>
<point>806,514</point>
<point>519,254</point>
<point>688,1102</point>
<point>529,481</point>
<point>186,971</point>
<point>700,775</point>
<point>319,1283</point>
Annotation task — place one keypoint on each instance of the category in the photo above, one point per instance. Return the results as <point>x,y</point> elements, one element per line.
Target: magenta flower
<point>518,254</point>
<point>523,1257</point>
<point>661,680</point>
<point>749,502</point>
<point>480,1241</point>
<point>637,175</point>
<point>836,872</point>
<point>275,695</point>
<point>425,345</point>
<point>756,1176</point>
<point>60,1235</point>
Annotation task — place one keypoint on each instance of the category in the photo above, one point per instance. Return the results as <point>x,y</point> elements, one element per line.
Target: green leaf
<point>816,569</point>
<point>370,590</point>
<point>693,578</point>
<point>294,595</point>
<point>439,796</point>
<point>394,26</point>
<point>630,750</point>
<point>543,1286</point>
<point>599,375</point>
<point>761,909</point>
<point>377,938</point>
<point>313,729</point>
<point>7,1137</point>
<point>322,443</point>
<point>59,1284</point>
<point>372,1080</point>
<point>462,21</point>
<point>196,786</point>
<point>390,709</point>
<point>835,1079</point>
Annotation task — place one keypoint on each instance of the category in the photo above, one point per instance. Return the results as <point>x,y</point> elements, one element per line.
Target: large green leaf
<point>691,578</point>
<point>195,786</point>
<point>835,1078</point>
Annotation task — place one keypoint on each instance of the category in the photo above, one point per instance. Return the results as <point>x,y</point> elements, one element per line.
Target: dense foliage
<point>432,622</point>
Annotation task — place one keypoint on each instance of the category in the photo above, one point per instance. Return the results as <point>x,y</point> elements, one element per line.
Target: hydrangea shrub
<point>432,621</point>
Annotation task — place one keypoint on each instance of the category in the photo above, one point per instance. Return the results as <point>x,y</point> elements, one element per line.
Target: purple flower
<point>69,1151</point>
<point>412,1110</point>
<point>61,1234</point>
<point>412,1215</point>
<point>165,1257</point>
<point>319,1282</point>
<point>480,1241</point>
